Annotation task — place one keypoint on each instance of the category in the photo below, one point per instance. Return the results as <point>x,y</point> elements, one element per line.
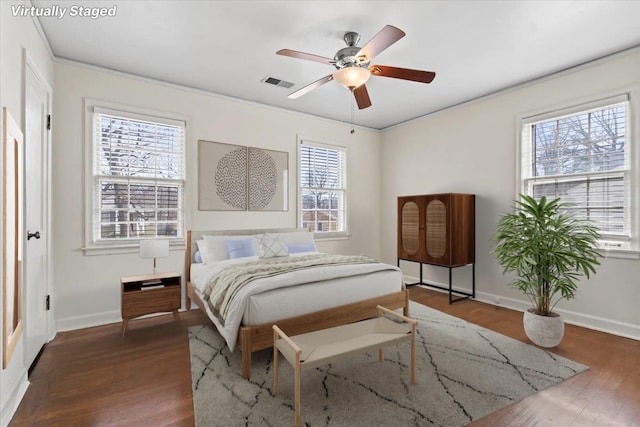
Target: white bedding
<point>282,296</point>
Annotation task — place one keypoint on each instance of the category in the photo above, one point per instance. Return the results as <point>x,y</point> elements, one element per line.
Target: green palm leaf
<point>548,250</point>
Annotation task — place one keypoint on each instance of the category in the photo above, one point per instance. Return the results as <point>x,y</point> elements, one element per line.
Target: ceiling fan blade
<point>307,56</point>
<point>362,97</point>
<point>402,73</point>
<point>385,38</point>
<point>310,87</point>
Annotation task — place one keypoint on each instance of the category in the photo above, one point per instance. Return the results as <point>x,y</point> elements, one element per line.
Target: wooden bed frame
<point>254,338</point>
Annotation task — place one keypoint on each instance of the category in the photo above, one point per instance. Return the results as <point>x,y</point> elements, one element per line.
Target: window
<point>138,176</point>
<point>582,155</point>
<point>322,181</point>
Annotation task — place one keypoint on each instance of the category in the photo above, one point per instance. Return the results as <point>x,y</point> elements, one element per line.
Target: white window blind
<point>322,181</point>
<point>582,156</point>
<point>138,176</point>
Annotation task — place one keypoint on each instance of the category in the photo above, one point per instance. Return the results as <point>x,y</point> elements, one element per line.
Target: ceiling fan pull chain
<point>352,111</point>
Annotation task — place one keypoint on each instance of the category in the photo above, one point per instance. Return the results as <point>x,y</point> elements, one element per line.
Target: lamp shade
<point>352,77</point>
<point>154,248</point>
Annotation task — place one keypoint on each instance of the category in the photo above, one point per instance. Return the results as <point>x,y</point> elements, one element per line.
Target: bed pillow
<point>295,248</point>
<point>300,241</point>
<point>217,250</point>
<point>202,250</point>
<point>240,248</point>
<point>272,245</point>
<point>198,257</point>
<point>298,237</point>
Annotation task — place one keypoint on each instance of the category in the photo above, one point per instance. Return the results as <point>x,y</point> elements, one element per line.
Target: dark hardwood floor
<point>94,377</point>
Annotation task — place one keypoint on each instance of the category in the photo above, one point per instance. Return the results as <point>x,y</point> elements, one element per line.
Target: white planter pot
<point>545,331</point>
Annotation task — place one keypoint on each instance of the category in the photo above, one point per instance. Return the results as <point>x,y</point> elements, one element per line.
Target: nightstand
<point>150,293</point>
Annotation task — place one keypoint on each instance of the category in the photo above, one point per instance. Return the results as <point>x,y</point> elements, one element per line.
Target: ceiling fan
<point>353,65</point>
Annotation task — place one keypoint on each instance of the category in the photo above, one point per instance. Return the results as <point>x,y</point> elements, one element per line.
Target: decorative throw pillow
<point>217,250</point>
<point>239,248</point>
<point>198,257</point>
<point>271,245</point>
<point>295,248</point>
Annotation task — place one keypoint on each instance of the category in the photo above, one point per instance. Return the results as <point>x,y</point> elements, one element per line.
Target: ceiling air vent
<point>277,82</point>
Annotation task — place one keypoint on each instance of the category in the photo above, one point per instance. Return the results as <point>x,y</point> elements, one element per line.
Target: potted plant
<point>548,250</point>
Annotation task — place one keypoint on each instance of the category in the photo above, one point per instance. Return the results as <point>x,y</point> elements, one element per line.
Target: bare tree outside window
<point>139,178</point>
<point>583,158</point>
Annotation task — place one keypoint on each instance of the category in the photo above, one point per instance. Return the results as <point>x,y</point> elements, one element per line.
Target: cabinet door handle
<point>30,235</point>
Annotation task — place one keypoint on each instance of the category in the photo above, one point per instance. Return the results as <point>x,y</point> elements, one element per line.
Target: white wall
<point>472,149</point>
<point>16,34</point>
<point>87,288</point>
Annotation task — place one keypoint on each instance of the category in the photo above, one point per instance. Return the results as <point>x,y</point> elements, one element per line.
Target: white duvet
<point>201,275</point>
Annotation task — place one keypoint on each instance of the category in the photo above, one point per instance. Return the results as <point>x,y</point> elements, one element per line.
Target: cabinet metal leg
<point>452,292</point>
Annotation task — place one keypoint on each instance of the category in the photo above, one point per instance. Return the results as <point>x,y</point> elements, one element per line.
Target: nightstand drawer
<point>138,303</point>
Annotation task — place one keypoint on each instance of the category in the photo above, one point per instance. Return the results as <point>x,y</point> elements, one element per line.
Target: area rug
<point>464,372</point>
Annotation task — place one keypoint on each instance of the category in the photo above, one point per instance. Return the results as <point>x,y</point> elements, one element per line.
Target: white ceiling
<point>228,47</point>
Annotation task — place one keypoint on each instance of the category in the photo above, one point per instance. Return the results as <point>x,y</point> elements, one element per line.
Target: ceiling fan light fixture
<point>353,65</point>
<point>352,77</point>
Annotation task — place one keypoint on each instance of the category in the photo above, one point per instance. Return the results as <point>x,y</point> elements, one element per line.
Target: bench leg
<point>297,392</point>
<point>275,365</point>
<point>413,354</point>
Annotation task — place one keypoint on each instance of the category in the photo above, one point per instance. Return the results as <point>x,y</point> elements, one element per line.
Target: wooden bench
<point>313,349</point>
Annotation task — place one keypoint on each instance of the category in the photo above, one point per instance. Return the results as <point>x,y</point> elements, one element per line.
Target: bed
<point>319,304</point>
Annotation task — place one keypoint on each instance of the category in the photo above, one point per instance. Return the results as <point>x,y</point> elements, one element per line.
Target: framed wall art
<point>268,180</point>
<point>12,232</point>
<point>222,176</point>
<point>239,178</point>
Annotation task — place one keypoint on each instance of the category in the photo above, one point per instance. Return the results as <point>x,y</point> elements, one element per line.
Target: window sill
<point>619,253</point>
<point>125,248</point>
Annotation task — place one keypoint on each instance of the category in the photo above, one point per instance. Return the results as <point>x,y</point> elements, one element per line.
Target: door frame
<point>29,64</point>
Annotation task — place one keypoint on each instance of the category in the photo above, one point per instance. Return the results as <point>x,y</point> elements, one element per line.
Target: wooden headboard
<point>193,236</point>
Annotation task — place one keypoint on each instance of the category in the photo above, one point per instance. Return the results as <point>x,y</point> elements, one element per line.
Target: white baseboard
<point>601,324</point>
<point>16,393</point>
<point>100,319</point>
<point>88,321</point>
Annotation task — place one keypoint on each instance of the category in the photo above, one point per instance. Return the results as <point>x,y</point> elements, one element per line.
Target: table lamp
<point>154,248</point>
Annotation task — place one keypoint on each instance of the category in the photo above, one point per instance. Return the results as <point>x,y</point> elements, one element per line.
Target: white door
<point>36,212</point>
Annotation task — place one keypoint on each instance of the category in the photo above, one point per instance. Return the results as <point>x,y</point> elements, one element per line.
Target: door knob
<point>30,235</point>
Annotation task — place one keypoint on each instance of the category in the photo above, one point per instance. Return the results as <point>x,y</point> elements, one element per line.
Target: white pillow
<point>217,250</point>
<point>202,247</point>
<point>272,245</point>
